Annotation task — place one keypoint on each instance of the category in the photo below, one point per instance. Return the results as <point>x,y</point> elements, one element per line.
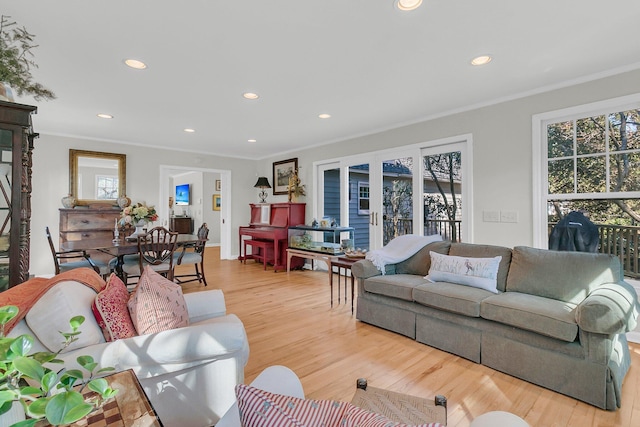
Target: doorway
<point>202,200</point>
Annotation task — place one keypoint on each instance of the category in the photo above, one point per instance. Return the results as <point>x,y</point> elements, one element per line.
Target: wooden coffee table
<point>129,408</point>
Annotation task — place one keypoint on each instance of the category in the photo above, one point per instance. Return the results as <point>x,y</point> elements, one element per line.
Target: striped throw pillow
<point>157,304</point>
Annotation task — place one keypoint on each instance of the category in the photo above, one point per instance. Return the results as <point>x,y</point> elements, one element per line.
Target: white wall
<point>501,180</point>
<point>51,183</point>
<point>211,217</point>
<point>502,162</point>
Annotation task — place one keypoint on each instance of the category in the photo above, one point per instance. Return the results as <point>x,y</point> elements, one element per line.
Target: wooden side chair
<point>68,260</point>
<point>193,254</point>
<point>156,248</point>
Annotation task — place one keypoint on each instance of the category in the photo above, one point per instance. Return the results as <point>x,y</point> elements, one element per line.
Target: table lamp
<point>262,183</point>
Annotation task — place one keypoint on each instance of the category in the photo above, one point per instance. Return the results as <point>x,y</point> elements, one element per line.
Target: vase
<point>69,201</point>
<point>139,230</point>
<point>123,201</point>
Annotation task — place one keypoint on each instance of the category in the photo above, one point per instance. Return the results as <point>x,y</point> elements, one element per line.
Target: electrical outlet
<point>491,216</point>
<point>508,216</point>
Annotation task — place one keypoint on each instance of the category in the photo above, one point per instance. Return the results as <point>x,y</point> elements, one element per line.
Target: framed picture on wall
<point>216,202</point>
<point>281,172</point>
<point>218,185</point>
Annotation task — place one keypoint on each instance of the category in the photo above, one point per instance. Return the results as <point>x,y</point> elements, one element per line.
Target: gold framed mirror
<point>96,177</point>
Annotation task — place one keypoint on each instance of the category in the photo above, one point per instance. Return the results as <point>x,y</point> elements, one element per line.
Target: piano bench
<point>261,250</point>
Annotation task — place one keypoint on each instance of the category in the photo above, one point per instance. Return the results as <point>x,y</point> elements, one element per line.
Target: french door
<point>411,190</point>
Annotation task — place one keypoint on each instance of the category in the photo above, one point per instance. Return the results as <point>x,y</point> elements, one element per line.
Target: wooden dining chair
<point>193,254</point>
<point>68,260</point>
<point>156,249</point>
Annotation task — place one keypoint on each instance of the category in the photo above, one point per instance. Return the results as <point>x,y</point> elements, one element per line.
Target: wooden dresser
<point>183,225</point>
<point>88,223</point>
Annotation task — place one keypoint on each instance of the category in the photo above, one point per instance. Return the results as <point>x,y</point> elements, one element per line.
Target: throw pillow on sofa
<point>259,408</point>
<point>111,311</point>
<point>52,312</point>
<point>157,304</point>
<point>479,273</point>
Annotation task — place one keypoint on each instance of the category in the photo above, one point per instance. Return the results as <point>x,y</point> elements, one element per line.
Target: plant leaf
<point>67,407</point>
<point>76,321</point>
<point>29,368</point>
<point>49,381</point>
<point>99,385</point>
<point>7,313</point>
<point>21,345</point>
<point>26,423</point>
<point>37,408</point>
<point>6,397</point>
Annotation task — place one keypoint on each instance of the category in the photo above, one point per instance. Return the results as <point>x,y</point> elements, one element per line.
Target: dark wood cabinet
<point>16,148</point>
<point>82,223</point>
<point>183,225</point>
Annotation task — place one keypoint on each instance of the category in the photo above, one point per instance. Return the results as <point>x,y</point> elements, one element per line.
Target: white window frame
<point>113,178</point>
<point>539,148</point>
<point>362,184</point>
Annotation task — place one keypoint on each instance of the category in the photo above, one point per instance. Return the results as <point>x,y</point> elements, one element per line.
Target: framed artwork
<point>216,202</point>
<point>218,186</point>
<point>281,172</point>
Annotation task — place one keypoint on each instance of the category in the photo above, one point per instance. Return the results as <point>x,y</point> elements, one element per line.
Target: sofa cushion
<point>157,304</point>
<point>545,316</point>
<point>564,276</point>
<point>420,262</point>
<point>397,285</point>
<point>51,314</point>
<point>475,272</point>
<point>486,251</point>
<point>451,297</point>
<point>111,311</point>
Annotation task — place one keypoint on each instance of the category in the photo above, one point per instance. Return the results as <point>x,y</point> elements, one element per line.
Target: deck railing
<point>449,230</point>
<point>621,241</point>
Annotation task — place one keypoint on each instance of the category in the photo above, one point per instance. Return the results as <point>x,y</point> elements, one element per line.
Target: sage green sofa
<point>558,320</point>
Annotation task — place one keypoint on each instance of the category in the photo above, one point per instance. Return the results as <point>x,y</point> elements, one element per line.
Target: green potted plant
<point>42,392</point>
<point>16,62</point>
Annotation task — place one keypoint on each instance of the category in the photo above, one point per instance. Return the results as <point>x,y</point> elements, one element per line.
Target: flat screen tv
<point>183,193</point>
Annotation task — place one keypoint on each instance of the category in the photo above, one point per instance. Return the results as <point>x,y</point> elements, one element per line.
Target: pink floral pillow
<point>111,311</point>
<point>157,304</point>
<point>259,408</point>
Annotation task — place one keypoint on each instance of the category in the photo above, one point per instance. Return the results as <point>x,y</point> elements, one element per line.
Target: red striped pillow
<point>157,304</point>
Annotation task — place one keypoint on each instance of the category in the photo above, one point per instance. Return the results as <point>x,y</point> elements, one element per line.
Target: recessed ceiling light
<point>250,95</point>
<point>481,60</point>
<point>324,115</point>
<point>104,116</point>
<point>134,63</point>
<point>408,4</point>
<point>251,140</point>
<point>189,130</point>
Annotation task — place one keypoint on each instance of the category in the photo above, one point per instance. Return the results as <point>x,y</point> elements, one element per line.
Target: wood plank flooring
<point>289,321</point>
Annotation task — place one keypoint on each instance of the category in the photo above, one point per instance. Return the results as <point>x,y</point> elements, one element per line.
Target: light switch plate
<point>491,216</point>
<point>508,216</point>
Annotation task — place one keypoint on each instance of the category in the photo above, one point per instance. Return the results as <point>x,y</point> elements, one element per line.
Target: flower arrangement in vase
<point>137,215</point>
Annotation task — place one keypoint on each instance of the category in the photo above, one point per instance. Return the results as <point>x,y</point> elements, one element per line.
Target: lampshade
<point>263,182</point>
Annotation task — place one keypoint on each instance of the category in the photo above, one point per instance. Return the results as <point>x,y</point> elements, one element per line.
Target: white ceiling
<point>367,64</point>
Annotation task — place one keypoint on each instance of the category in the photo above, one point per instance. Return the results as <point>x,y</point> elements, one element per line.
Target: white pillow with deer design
<point>479,273</point>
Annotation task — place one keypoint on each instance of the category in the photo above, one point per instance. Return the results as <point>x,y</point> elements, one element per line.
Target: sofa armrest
<point>610,309</point>
<point>205,305</point>
<point>364,269</point>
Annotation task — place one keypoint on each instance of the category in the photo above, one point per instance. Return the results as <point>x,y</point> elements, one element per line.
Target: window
<point>587,158</point>
<point>106,187</point>
<point>363,198</point>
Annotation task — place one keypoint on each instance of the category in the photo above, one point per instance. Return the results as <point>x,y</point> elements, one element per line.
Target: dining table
<point>118,248</point>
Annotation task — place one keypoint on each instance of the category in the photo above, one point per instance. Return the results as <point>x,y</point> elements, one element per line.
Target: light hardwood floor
<point>289,321</point>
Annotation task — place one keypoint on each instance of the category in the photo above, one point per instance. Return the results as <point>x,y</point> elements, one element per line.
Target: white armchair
<point>188,374</point>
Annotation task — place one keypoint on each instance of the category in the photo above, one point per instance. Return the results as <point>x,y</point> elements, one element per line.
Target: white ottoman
<point>498,418</point>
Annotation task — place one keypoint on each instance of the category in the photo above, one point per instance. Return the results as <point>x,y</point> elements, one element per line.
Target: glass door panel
<point>442,194</point>
<point>359,195</point>
<point>397,198</point>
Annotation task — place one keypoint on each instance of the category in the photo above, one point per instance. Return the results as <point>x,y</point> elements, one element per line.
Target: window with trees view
<point>593,165</point>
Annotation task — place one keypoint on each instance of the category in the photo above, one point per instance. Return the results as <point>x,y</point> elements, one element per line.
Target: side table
<point>346,263</point>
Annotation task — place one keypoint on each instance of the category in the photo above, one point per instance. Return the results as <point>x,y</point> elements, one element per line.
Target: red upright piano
<point>271,222</point>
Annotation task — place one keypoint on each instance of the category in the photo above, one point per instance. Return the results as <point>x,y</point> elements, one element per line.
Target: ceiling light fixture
<point>250,95</point>
<point>135,64</point>
<point>251,140</point>
<point>481,60</point>
<point>189,130</point>
<point>408,4</point>
<point>324,115</point>
<point>104,116</point>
